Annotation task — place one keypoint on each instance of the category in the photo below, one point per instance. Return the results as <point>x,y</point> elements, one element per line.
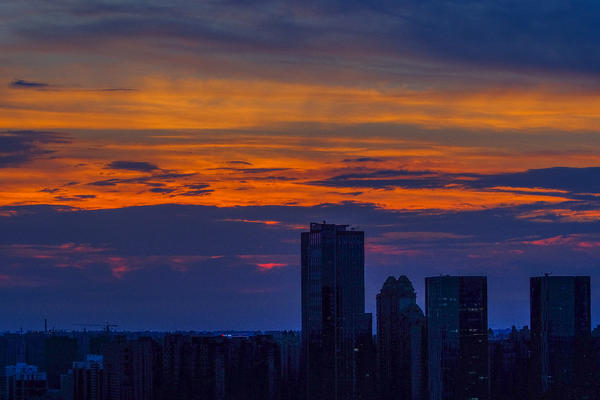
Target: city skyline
<point>448,353</point>
<point>158,160</point>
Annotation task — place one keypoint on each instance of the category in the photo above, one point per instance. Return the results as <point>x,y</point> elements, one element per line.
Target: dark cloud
<point>203,192</point>
<point>108,182</point>
<point>249,170</point>
<point>140,166</point>
<point>363,159</point>
<point>49,190</point>
<point>239,162</point>
<point>386,178</point>
<point>162,190</point>
<point>197,186</point>
<point>148,180</point>
<point>576,181</point>
<point>172,175</point>
<point>77,197</point>
<point>555,36</point>
<point>20,147</point>
<point>23,84</point>
<point>271,178</point>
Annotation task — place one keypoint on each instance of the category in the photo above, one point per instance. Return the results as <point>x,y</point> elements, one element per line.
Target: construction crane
<point>106,326</point>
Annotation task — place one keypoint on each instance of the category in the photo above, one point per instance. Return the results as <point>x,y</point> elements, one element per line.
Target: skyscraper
<point>457,339</point>
<point>335,328</point>
<point>560,331</point>
<point>88,378</point>
<point>400,342</point>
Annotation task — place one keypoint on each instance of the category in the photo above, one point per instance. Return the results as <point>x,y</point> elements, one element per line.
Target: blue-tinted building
<point>560,332</point>
<point>335,329</point>
<point>401,350</point>
<point>457,338</point>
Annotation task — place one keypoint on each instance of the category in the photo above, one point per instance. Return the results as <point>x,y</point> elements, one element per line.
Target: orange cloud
<point>269,266</point>
<point>162,103</point>
<point>577,241</point>
<point>253,221</point>
<point>390,250</point>
<point>563,214</point>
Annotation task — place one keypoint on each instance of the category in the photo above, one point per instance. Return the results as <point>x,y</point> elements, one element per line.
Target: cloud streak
<point>20,147</point>
<point>140,166</point>
<point>23,84</point>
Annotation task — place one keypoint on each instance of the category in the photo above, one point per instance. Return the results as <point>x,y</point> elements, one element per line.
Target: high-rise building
<point>560,332</point>
<point>88,378</point>
<point>60,353</point>
<point>289,350</point>
<point>509,363</point>
<point>146,368</point>
<point>335,329</point>
<point>133,368</point>
<point>22,382</point>
<point>400,342</point>
<point>117,371</point>
<point>457,340</point>
<point>177,369</point>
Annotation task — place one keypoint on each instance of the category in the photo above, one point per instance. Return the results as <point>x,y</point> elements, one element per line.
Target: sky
<point>158,160</point>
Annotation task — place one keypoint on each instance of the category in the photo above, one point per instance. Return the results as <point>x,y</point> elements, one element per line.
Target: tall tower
<point>400,342</point>
<point>335,327</point>
<point>457,337</point>
<point>560,331</point>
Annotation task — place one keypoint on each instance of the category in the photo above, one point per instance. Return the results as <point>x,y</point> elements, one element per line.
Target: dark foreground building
<point>562,363</point>
<point>509,364</point>
<point>401,350</point>
<point>336,332</point>
<point>457,337</point>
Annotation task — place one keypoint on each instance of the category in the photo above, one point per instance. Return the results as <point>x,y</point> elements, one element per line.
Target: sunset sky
<point>158,160</point>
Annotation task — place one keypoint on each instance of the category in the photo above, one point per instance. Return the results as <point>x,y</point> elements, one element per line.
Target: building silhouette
<point>336,332</point>
<point>22,382</point>
<point>88,378</point>
<point>509,363</point>
<point>289,351</point>
<point>60,353</point>
<point>560,334</point>
<point>401,342</point>
<point>457,340</point>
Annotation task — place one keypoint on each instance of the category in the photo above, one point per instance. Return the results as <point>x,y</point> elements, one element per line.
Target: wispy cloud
<point>20,147</point>
<point>140,166</point>
<point>23,84</point>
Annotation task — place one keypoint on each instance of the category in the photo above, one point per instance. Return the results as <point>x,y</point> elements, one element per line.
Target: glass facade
<point>457,342</point>
<point>334,324</point>
<point>560,331</point>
